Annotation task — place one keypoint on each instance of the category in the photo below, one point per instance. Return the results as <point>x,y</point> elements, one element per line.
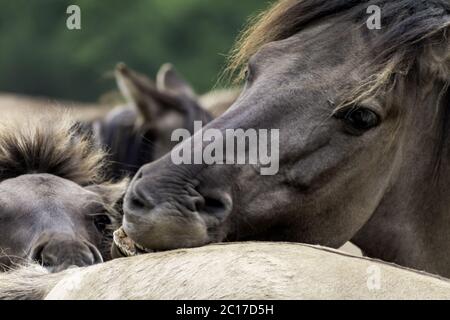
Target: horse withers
<point>363,120</point>
<point>55,206</point>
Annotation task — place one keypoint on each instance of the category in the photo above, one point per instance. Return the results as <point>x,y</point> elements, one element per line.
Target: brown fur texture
<point>48,144</point>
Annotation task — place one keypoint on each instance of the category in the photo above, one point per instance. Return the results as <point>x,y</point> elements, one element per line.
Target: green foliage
<point>40,56</point>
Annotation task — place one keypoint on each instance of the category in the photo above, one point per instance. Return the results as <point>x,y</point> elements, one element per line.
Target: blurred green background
<point>40,56</point>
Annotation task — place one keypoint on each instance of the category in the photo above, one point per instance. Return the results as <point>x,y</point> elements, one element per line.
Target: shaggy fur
<point>410,29</point>
<point>48,144</point>
<point>51,143</point>
<point>25,283</point>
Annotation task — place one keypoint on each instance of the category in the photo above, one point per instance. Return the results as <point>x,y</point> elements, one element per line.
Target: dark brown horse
<point>364,155</point>
<point>56,208</point>
<point>140,132</point>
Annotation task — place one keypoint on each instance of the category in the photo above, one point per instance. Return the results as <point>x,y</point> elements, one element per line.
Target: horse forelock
<point>50,144</point>
<point>409,29</point>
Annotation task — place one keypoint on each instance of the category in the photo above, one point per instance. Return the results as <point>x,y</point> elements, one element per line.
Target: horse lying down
<point>56,207</point>
<point>229,271</point>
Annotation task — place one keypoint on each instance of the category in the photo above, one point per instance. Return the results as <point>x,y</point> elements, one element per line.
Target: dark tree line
<point>40,56</point>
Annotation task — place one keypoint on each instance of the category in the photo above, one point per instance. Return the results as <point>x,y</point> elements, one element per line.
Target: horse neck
<point>411,225</point>
<point>128,147</point>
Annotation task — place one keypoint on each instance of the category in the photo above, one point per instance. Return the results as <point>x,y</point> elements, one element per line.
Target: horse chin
<point>134,238</point>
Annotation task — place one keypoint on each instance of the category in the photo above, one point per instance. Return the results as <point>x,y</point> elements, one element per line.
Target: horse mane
<point>48,143</point>
<point>409,28</point>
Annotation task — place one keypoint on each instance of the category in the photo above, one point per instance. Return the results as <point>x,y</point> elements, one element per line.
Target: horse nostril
<point>138,201</point>
<point>39,256</point>
<point>46,260</point>
<point>215,206</point>
<point>96,255</point>
<point>212,202</point>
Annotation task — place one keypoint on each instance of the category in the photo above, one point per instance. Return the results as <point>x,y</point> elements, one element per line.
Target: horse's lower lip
<point>126,246</point>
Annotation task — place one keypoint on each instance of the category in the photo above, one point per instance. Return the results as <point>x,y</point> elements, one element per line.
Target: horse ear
<point>139,91</point>
<point>143,94</point>
<point>168,79</point>
<point>111,193</point>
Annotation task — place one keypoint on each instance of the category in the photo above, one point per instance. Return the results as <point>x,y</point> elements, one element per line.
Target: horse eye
<point>359,118</point>
<point>249,74</point>
<point>246,74</point>
<point>101,222</point>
